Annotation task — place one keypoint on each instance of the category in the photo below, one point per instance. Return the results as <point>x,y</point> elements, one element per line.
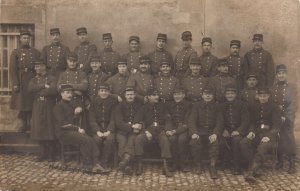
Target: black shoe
<point>213,173</point>
<point>184,168</point>
<point>98,169</point>
<point>174,167</point>
<point>139,170</point>
<point>250,178</point>
<point>279,165</point>
<point>198,169</point>
<point>128,170</point>
<point>292,166</point>
<point>40,159</point>
<point>237,171</point>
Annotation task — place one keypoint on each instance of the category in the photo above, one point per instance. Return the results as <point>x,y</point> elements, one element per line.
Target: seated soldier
<point>179,110</point>
<point>101,123</point>
<point>221,80</point>
<point>125,129</point>
<point>156,120</point>
<point>236,122</point>
<point>249,93</point>
<point>205,123</point>
<point>66,113</point>
<point>263,132</point>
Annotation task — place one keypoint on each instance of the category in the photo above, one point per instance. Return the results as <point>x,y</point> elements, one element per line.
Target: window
<point>9,40</point>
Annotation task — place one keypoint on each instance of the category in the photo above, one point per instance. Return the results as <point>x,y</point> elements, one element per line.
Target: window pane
<point>5,79</point>
<point>5,58</point>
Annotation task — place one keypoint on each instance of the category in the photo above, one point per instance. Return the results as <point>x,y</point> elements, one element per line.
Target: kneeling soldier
<point>102,127</point>
<point>206,122</point>
<point>236,122</point>
<point>156,119</point>
<point>179,110</point>
<point>65,114</point>
<point>126,131</point>
<point>263,133</point>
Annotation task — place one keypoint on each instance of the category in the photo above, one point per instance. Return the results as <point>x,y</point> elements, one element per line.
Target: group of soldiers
<point>235,109</point>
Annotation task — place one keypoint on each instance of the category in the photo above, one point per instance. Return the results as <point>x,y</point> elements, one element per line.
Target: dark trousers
<point>198,145</point>
<point>141,141</point>
<point>105,146</point>
<point>287,144</point>
<point>179,146</point>
<point>125,144</point>
<point>88,148</point>
<point>230,149</point>
<point>255,150</point>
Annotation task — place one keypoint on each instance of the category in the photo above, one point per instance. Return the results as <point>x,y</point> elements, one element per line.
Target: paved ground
<point>20,172</point>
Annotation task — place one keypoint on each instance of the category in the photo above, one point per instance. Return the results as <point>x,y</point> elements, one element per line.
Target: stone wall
<point>222,20</point>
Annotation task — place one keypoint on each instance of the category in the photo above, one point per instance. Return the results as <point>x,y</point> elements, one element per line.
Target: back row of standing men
<point>86,71</point>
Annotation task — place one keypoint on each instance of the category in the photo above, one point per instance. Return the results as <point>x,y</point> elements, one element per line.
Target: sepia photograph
<point>161,95</point>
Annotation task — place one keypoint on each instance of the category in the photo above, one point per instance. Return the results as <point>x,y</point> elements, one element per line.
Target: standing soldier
<point>183,56</point>
<point>78,80</point>
<point>95,78</point>
<point>208,60</point>
<point>206,122</point>
<point>221,80</point>
<point>260,62</point>
<point>194,82</point>
<point>108,56</point>
<point>159,54</point>
<point>156,120</point>
<point>55,55</point>
<point>263,132</point>
<point>21,72</point>
<point>66,115</point>
<point>236,63</point>
<point>126,130</point>
<point>179,110</point>
<point>43,86</point>
<point>117,83</point>
<point>84,50</point>
<point>165,83</point>
<point>134,55</point>
<point>236,123</point>
<point>249,93</point>
<point>142,81</point>
<point>102,127</point>
<point>284,95</point>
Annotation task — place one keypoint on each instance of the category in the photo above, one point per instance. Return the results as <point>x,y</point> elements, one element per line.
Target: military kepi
<point>206,39</point>
<point>39,62</point>
<point>81,30</point>
<point>259,37</point>
<point>145,60</point>
<point>72,56</point>
<point>162,36</point>
<point>263,90</point>
<point>195,61</point>
<point>54,31</point>
<point>136,38</point>
<point>106,36</point>
<point>235,42</point>
<point>25,32</point>
<point>281,68</point>
<point>65,87</point>
<point>104,86</point>
<point>186,35</point>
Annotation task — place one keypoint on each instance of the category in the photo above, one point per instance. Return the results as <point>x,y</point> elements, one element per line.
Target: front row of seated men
<point>247,131</point>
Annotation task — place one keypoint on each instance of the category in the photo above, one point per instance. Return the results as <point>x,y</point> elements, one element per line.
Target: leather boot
<point>182,164</point>
<point>124,162</point>
<point>139,170</point>
<point>213,170</point>
<point>250,175</point>
<point>175,166</point>
<point>292,166</point>
<point>166,171</point>
<point>279,163</point>
<point>198,169</point>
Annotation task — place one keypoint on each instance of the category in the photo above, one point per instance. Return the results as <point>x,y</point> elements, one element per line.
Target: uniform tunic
<point>237,69</point>
<point>142,82</point>
<point>21,72</point>
<point>117,84</point>
<point>133,61</point>
<point>109,59</point>
<point>55,56</point>
<point>156,57</point>
<point>95,78</point>
<point>208,63</point>
<point>205,119</point>
<point>249,95</point>
<point>193,86</point>
<point>260,62</point>
<point>219,83</point>
<point>42,126</point>
<point>84,52</point>
<point>182,60</point>
<point>165,86</point>
<point>284,95</point>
